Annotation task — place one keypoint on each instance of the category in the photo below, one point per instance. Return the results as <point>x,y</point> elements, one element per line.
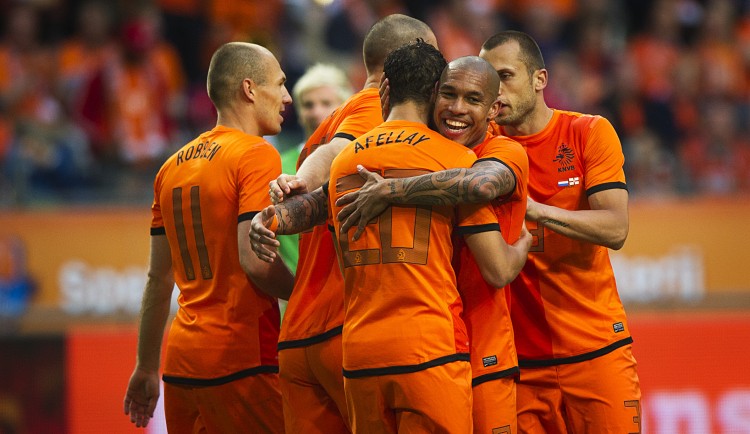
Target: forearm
<point>302,212</point>
<point>602,227</point>
<point>517,254</point>
<point>154,313</point>
<point>316,168</point>
<point>481,183</point>
<point>274,279</point>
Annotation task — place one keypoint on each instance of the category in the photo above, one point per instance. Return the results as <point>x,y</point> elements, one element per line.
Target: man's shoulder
<point>364,98</point>
<point>580,120</point>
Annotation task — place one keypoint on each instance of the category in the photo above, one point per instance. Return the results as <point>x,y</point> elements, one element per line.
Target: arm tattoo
<point>485,181</point>
<point>555,222</point>
<point>301,212</point>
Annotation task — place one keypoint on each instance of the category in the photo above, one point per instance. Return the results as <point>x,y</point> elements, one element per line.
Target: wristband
<point>274,224</point>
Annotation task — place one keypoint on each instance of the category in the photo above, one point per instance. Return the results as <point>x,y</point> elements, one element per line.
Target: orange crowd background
<point>95,94</point>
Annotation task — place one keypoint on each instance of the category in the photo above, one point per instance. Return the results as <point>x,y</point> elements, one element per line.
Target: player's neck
<point>409,111</point>
<point>534,123</point>
<point>231,119</point>
<point>373,80</point>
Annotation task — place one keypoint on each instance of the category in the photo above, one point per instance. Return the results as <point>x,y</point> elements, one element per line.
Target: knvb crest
<point>564,157</point>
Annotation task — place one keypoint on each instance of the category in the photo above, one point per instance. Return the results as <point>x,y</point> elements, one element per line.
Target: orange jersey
<point>316,307</point>
<point>225,325</point>
<point>486,313</point>
<point>565,306</point>
<point>402,308</point>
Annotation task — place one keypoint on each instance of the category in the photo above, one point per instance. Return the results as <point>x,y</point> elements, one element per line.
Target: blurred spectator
<point>141,94</point>
<point>655,53</point>
<point>348,23</point>
<point>43,151</point>
<point>82,59</point>
<point>135,88</point>
<point>317,93</point>
<point>86,52</point>
<point>716,156</point>
<point>462,26</point>
<point>548,22</point>
<point>16,286</point>
<point>723,74</point>
<point>185,27</point>
<point>248,20</point>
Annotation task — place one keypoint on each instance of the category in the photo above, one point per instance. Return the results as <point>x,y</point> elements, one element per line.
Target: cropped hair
<point>412,71</point>
<point>389,33</point>
<point>531,55</point>
<point>230,64</point>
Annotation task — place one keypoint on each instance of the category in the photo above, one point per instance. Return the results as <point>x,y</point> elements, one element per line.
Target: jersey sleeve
<point>475,217</point>
<point>603,158</point>
<point>511,154</point>
<point>157,222</point>
<point>360,120</point>
<point>259,166</point>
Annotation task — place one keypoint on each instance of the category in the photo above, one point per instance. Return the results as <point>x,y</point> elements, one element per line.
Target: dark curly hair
<point>412,71</point>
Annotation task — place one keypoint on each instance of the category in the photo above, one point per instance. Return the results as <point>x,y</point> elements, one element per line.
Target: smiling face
<point>518,93</point>
<point>464,105</point>
<point>272,99</point>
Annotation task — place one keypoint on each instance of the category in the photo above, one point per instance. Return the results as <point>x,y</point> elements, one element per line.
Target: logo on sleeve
<point>564,157</point>
<point>619,327</point>
<point>489,361</point>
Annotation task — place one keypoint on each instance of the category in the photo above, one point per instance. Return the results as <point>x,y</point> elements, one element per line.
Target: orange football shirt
<point>486,313</point>
<point>564,305</point>
<point>316,307</point>
<point>225,325</point>
<point>402,308</point>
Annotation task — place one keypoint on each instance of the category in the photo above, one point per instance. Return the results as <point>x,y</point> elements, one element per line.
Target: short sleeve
<point>259,166</point>
<point>157,222</point>
<point>363,118</point>
<point>603,158</point>
<point>476,217</point>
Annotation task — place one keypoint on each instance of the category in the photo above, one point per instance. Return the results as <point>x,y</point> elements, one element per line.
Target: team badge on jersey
<point>569,182</point>
<point>564,157</point>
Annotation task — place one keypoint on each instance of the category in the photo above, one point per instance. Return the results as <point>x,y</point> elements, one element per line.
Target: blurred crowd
<point>95,94</point>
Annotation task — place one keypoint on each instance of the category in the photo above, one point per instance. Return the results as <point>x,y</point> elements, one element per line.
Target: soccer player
<point>464,107</point>
<point>220,368</point>
<point>577,368</point>
<point>404,343</point>
<point>310,342</point>
<point>317,93</point>
<point>578,373</point>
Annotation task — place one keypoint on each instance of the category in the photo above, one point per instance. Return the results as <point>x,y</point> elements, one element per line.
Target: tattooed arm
<point>294,215</point>
<point>605,224</point>
<point>484,181</point>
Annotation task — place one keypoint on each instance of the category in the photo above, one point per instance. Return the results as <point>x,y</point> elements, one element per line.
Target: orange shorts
<point>312,388</point>
<point>436,400</point>
<point>600,395</point>
<point>250,404</point>
<point>495,406</point>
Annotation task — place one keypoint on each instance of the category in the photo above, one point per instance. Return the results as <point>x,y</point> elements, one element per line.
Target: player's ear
<point>249,89</point>
<point>539,79</point>
<point>494,110</point>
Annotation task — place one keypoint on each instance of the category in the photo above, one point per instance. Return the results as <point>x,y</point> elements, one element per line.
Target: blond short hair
<point>320,75</point>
